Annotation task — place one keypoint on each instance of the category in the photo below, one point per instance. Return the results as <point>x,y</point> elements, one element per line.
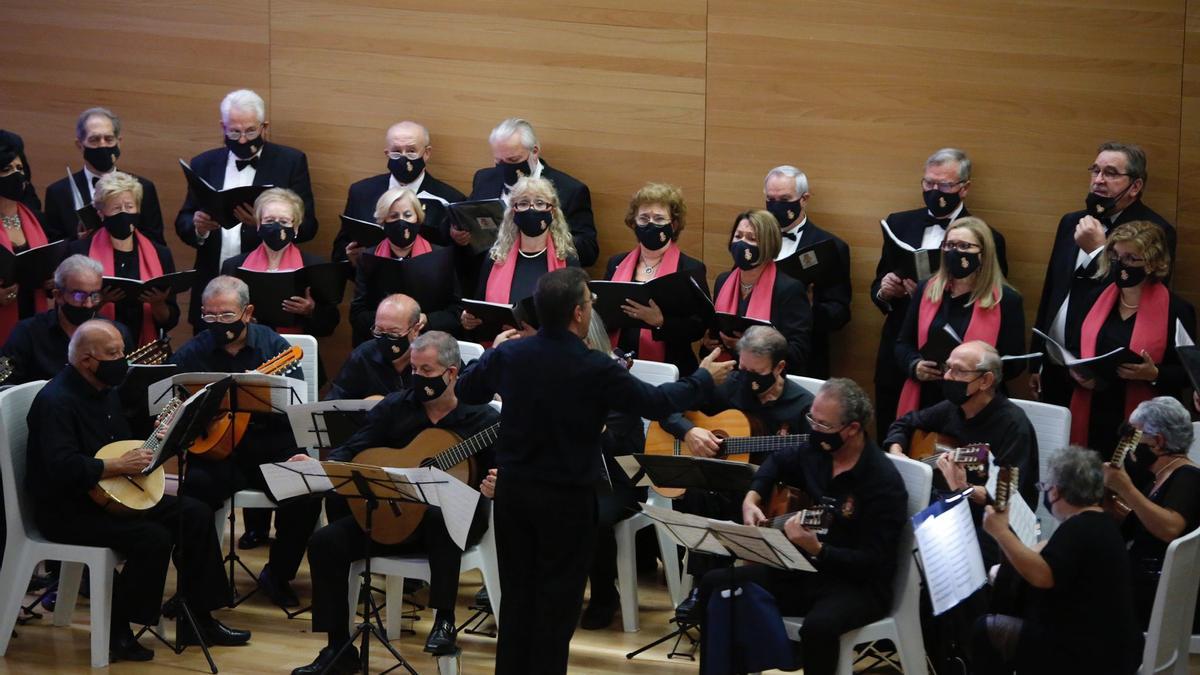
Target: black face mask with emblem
<point>429,388</point>
<point>515,172</point>
<point>785,212</point>
<point>225,333</point>
<point>653,237</point>
<point>756,384</point>
<point>391,348</point>
<point>745,255</point>
<point>941,204</point>
<point>406,170</point>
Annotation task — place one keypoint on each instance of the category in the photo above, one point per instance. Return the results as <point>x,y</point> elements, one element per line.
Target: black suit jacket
<point>677,332</point>
<point>325,317</point>
<point>573,196</point>
<point>363,195</point>
<point>909,227</point>
<point>831,302</point>
<point>367,298</point>
<point>790,314</point>
<point>61,222</point>
<point>278,165</point>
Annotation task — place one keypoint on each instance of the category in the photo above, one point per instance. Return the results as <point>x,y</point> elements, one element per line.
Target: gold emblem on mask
<point>964,263</point>
<point>791,215</point>
<point>1099,209</point>
<point>1124,275</point>
<point>282,234</point>
<point>229,335</point>
<point>395,349</point>
<point>429,391</point>
<point>408,166</point>
<point>942,202</point>
<point>662,236</point>
<point>754,386</point>
<point>746,255</point>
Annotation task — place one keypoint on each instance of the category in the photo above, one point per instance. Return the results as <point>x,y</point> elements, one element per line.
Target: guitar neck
<point>1127,444</point>
<point>743,445</point>
<point>806,516</point>
<point>461,452</point>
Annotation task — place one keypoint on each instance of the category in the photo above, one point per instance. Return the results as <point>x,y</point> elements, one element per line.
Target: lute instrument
<point>135,492</point>
<point>1111,503</point>
<point>153,353</point>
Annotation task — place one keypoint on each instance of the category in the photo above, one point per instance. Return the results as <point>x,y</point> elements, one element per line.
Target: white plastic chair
<point>309,362</point>
<point>1169,633</point>
<point>812,384</point>
<point>1194,451</point>
<point>1052,425</point>
<point>25,547</point>
<point>903,625</point>
<point>481,556</point>
<point>469,351</point>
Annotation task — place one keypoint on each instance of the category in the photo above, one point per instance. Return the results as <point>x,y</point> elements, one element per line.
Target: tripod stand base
<point>184,615</point>
<point>683,630</point>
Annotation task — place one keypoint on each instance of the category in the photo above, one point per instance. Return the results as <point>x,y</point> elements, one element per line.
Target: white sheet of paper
<point>1023,521</point>
<point>456,499</point>
<point>630,466</point>
<point>952,560</point>
<point>764,545</point>
<point>293,479</point>
<point>301,418</point>
<point>688,530</point>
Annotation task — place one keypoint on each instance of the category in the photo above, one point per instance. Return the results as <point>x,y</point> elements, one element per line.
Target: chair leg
<point>627,576</point>
<point>670,557</point>
<point>395,605</point>
<point>845,664</point>
<point>101,602</point>
<point>16,581</point>
<point>356,569</point>
<point>69,576</point>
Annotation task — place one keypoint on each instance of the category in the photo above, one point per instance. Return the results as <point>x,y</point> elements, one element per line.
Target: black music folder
<point>220,203</point>
<point>480,217</point>
<point>428,279</point>
<point>818,264</point>
<point>1189,356</point>
<point>1101,366</point>
<point>908,262</point>
<point>175,282</point>
<point>268,290</point>
<point>366,233</point>
<point>676,294</point>
<point>495,316</point>
<point>939,343</point>
<point>732,324</point>
<point>33,267</point>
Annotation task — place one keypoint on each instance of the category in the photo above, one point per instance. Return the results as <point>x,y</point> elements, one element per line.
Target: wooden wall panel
<point>1189,156</point>
<point>859,93</point>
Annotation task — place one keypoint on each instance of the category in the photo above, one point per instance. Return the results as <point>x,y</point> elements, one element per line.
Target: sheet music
<point>630,466</point>
<point>285,391</point>
<point>953,564</point>
<point>456,499</point>
<point>301,417</point>
<point>157,461</point>
<point>1023,521</point>
<point>688,530</point>
<point>294,479</point>
<point>765,545</point>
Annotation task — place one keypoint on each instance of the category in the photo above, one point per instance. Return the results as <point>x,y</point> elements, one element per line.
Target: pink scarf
<point>149,267</point>
<point>257,261</point>
<point>649,349</point>
<point>760,298</point>
<point>34,237</point>
<point>419,247</point>
<point>499,282</point>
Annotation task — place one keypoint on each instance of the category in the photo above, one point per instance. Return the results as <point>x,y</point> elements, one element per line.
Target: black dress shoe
<point>441,639</point>
<point>125,647</point>
<point>216,634</point>
<point>599,613</point>
<point>688,607</point>
<point>279,591</point>
<point>348,663</point>
<point>252,539</point>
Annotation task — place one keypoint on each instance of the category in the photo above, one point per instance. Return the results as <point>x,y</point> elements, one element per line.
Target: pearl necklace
<point>530,255</point>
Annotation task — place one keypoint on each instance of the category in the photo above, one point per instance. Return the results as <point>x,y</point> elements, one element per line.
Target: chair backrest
<point>653,372</point>
<point>918,482</point>
<point>14,436</point>
<point>309,362</point>
<point>812,384</point>
<point>1052,425</point>
<point>1194,451</point>
<point>469,351</point>
<point>1170,631</point>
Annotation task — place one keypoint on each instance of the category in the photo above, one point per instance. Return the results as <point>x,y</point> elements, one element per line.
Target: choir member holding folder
<point>969,294</point>
<point>534,239</point>
<point>126,252</point>
<point>657,215</point>
<point>755,289</point>
<point>22,231</point>
<point>1135,310</point>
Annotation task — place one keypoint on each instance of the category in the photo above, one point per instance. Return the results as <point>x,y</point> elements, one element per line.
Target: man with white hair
<point>98,137</point>
<point>944,186</point>
<point>246,159</point>
<point>408,149</point>
<point>787,195</point>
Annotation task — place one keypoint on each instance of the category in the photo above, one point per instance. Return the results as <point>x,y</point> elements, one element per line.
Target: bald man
<point>407,150</point>
<point>380,365</point>
<point>75,415</point>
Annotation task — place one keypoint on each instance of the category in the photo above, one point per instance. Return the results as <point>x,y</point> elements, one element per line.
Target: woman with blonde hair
<point>968,294</point>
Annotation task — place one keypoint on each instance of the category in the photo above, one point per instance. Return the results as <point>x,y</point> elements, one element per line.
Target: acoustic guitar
<point>742,437</point>
<point>787,502</point>
<point>394,523</point>
<point>1112,504</point>
<point>1006,485</point>
<point>153,353</point>
<point>138,492</point>
<point>224,433</point>
<point>927,445</point>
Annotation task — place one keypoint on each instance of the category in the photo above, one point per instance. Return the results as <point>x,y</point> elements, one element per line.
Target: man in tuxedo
<point>247,159</point>
<point>98,137</point>
<point>1118,179</point>
<point>786,191</point>
<point>944,186</point>
<point>407,149</point>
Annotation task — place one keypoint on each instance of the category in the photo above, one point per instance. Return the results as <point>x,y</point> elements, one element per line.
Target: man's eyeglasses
<point>960,246</point>
<point>957,372</point>
<point>249,134</point>
<point>81,297</point>
<point>537,204</point>
<point>943,186</point>
<point>393,154</point>
<point>1108,172</point>
<point>223,317</point>
<point>391,335</point>
<point>820,426</point>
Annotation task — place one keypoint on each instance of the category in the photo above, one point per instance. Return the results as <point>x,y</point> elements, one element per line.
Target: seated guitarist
<point>233,343</point>
<point>758,387</point>
<point>380,366</point>
<point>430,404</point>
<point>76,414</point>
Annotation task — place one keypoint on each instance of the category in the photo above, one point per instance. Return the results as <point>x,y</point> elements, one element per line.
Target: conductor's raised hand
<point>718,369</point>
<point>506,335</point>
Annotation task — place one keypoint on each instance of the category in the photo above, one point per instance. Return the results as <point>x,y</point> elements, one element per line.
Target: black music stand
<point>188,422</point>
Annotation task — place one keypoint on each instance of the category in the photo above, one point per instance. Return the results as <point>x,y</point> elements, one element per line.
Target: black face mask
<point>653,237</point>
<point>828,441</point>
<point>390,348</point>
<point>112,372</point>
<point>533,223</point>
<point>400,232</point>
<point>428,388</point>
<point>77,315</point>
<point>955,391</point>
<point>1047,502</point>
<point>941,204</point>
<point>245,150</point>
<point>276,236</point>
<point>225,333</point>
<point>962,265</point>
<point>745,255</point>
<point>1144,457</point>
<point>757,384</point>
<point>120,225</point>
<point>102,159</point>
<point>784,212</point>
<point>406,170</point>
<point>515,172</point>
<point>1126,276</point>
<point>1104,207</point>
<point>12,186</point>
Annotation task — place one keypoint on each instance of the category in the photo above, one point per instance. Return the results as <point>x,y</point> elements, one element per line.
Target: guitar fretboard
<point>750,445</point>
<point>461,452</point>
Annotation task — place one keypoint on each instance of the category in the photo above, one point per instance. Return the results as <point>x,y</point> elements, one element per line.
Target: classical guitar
<point>973,456</point>
<point>1112,504</point>
<point>741,437</point>
<point>929,444</point>
<point>224,433</point>
<point>393,523</point>
<point>153,353</point>
<point>787,502</point>
<point>1006,485</point>
<point>138,492</point>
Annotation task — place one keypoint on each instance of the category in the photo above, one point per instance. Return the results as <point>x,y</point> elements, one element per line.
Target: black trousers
<point>887,399</point>
<point>830,607</point>
<point>147,541</point>
<point>334,547</point>
<point>544,538</point>
<point>212,482</point>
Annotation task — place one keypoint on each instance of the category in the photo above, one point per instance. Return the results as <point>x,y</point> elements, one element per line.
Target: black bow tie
<point>240,164</point>
<point>790,235</point>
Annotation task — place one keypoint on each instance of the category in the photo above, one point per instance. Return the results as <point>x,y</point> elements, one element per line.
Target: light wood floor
<point>280,644</point>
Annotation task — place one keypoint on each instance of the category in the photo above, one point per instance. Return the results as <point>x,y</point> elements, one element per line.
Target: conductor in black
<point>556,395</point>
